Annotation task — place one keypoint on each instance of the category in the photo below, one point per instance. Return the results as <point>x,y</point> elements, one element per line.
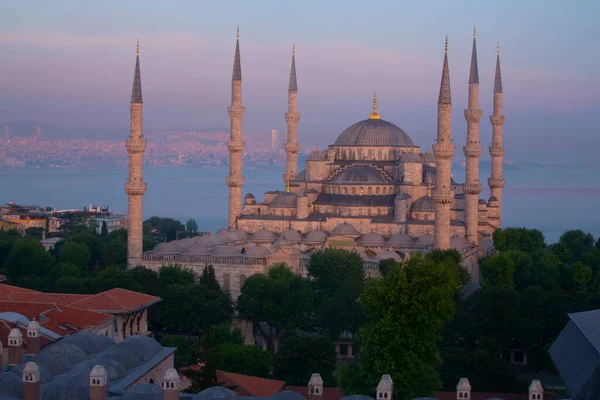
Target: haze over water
<point>550,199</point>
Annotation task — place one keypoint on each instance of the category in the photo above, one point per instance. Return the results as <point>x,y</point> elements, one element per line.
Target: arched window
<point>345,190</point>
<point>377,190</point>
<point>380,155</point>
<point>362,190</point>
<point>353,190</point>
<point>242,280</point>
<point>151,380</point>
<point>226,282</point>
<point>370,190</point>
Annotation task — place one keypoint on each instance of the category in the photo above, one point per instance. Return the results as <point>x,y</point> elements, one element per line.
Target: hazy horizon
<point>72,65</point>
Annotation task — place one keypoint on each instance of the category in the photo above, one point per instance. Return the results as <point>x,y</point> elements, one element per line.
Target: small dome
<point>256,252</point>
<point>292,236</point>
<point>263,236</point>
<point>387,254</point>
<point>481,201</point>
<point>360,174</point>
<point>424,204</point>
<point>98,372</point>
<point>425,240</point>
<point>206,240</point>
<point>249,199</point>
<point>15,333</point>
<point>373,132</point>
<point>372,239</point>
<point>33,325</point>
<point>357,397</point>
<point>284,200</point>
<point>315,237</point>
<point>493,198</point>
<point>226,251</point>
<point>403,196</point>
<point>458,243</point>
<point>249,196</point>
<point>410,157</point>
<point>428,157</point>
<point>238,234</point>
<point>287,395</point>
<point>216,393</point>
<point>90,343</point>
<point>70,352</point>
<point>317,155</point>
<point>171,375</point>
<point>144,391</point>
<point>195,250</point>
<point>400,240</point>
<point>344,229</point>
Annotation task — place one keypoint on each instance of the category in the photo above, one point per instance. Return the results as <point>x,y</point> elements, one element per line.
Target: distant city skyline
<point>74,69</point>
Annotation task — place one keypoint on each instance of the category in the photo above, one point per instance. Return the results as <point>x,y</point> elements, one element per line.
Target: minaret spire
<point>235,180</point>
<point>292,117</point>
<point>443,150</point>
<point>135,187</point>
<point>496,181</point>
<point>472,152</point>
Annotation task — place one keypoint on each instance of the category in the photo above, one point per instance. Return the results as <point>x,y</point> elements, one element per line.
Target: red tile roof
<point>29,310</point>
<point>328,392</point>
<point>253,386</point>
<point>7,290</point>
<point>116,301</point>
<point>57,298</point>
<point>6,327</point>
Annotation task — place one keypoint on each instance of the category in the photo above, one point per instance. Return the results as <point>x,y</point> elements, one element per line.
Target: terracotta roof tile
<point>116,300</point>
<point>250,385</point>
<point>65,318</point>
<point>29,310</point>
<point>57,298</point>
<point>7,290</point>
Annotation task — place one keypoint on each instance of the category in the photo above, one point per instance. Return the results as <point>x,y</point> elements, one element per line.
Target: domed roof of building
<point>400,239</point>
<point>386,254</point>
<point>68,351</point>
<point>425,240</point>
<point>284,200</point>
<point>292,236</point>
<point>424,204</point>
<point>287,395</point>
<point>216,392</point>
<point>371,238</point>
<point>373,132</point>
<point>161,248</point>
<point>458,243</point>
<point>238,234</point>
<point>360,174</point>
<point>481,201</point>
<point>144,391</point>
<point>256,252</point>
<point>263,236</point>
<point>357,397</point>
<point>428,157</point>
<point>411,157</point>
<point>317,155</point>
<point>344,229</point>
<point>493,198</point>
<point>249,196</point>
<point>315,237</point>
<point>88,342</point>
<point>226,251</point>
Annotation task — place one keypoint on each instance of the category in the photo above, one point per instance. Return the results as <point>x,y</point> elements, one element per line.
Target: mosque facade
<point>373,191</point>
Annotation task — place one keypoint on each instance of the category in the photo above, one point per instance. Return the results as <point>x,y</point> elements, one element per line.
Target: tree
<point>582,274</point>
<point>299,357</point>
<point>191,226</point>
<point>518,239</point>
<point>104,231</point>
<point>114,277</point>
<point>404,312</point>
<point>338,280</point>
<point>574,244</point>
<point>183,355</point>
<point>148,280</point>
<point>207,356</point>
<point>29,265</point>
<point>281,299</point>
<point>245,360</point>
<point>92,241</point>
<point>166,226</point>
<point>497,270</point>
<point>76,254</point>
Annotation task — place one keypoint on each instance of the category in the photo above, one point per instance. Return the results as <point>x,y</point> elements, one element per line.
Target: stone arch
<point>226,282</point>
<point>370,253</point>
<point>242,279</point>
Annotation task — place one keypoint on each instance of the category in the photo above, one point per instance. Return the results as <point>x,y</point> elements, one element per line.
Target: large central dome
<point>373,132</point>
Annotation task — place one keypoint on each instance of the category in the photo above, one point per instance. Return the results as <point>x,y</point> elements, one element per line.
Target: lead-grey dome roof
<point>361,174</point>
<point>410,157</point>
<point>284,200</point>
<point>424,204</point>
<point>373,132</point>
<point>344,229</point>
<point>428,157</point>
<point>317,155</point>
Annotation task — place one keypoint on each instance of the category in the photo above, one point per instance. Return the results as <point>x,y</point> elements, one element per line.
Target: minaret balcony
<point>234,181</point>
<point>134,146</point>
<point>236,146</point>
<point>292,117</point>
<point>443,151</point>
<point>235,111</point>
<point>496,151</point>
<point>291,147</point>
<point>496,183</point>
<point>472,188</point>
<point>473,115</point>
<point>472,150</point>
<point>443,195</point>
<point>497,120</point>
<point>135,188</point>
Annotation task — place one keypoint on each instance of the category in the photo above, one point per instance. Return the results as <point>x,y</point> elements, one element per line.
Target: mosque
<point>372,191</point>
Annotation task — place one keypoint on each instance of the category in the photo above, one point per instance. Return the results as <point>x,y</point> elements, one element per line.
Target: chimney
<point>463,389</point>
<point>31,381</point>
<point>385,388</point>
<point>170,385</point>
<point>315,387</point>
<point>43,234</point>
<point>2,361</point>
<point>98,383</point>
<point>34,339</point>
<point>15,347</point>
<point>536,390</point>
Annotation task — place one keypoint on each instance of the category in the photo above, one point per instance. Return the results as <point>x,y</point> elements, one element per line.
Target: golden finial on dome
<point>374,114</point>
<point>429,189</point>
<point>317,148</point>
<point>137,49</point>
<point>287,185</point>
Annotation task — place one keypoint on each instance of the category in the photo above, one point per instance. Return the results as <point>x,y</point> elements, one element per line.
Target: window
<point>343,349</point>
<point>370,190</point>
<point>242,280</point>
<point>353,190</point>
<point>226,282</point>
<point>377,190</point>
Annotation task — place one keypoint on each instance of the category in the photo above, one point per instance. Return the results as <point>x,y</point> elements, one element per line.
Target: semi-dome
<point>292,236</point>
<point>411,157</point>
<point>424,204</point>
<point>400,239</point>
<point>373,132</point>
<point>387,254</point>
<point>371,239</point>
<point>284,200</point>
<point>344,229</point>
<point>425,240</point>
<point>361,174</point>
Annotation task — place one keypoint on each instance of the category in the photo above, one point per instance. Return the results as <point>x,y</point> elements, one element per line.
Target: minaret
<point>235,180</point>
<point>443,150</point>
<point>472,151</point>
<point>292,117</point>
<point>496,182</point>
<point>135,187</point>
